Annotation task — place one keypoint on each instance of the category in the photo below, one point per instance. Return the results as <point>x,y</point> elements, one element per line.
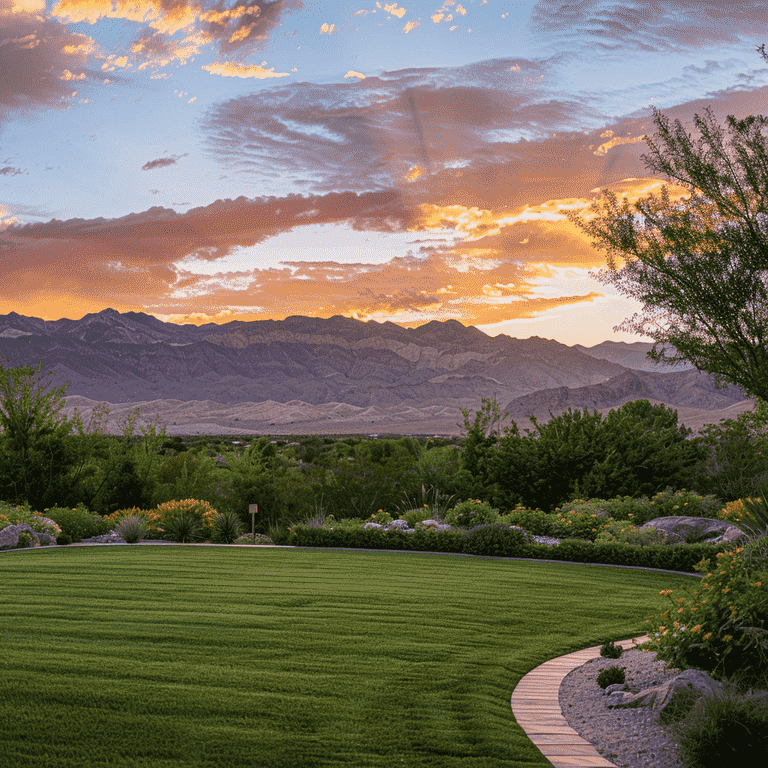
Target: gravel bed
<point>629,738</point>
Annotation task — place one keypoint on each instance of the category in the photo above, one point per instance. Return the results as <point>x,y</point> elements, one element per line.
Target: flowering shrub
<point>201,512</point>
<point>751,515</point>
<point>151,517</point>
<point>470,513</point>
<point>579,523</point>
<point>42,524</point>
<point>721,624</point>
<point>13,514</point>
<point>669,503</point>
<point>534,521</point>
<point>625,532</point>
<point>381,517</point>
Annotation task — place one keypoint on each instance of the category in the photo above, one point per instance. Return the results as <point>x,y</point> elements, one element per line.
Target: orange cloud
<point>37,59</point>
<point>394,10</point>
<point>241,27</point>
<point>233,69</point>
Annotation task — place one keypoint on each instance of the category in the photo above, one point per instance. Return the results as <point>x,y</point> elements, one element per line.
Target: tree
<point>638,449</point>
<point>34,452</point>
<point>698,264</point>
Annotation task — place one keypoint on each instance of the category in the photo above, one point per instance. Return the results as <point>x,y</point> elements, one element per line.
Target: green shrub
<point>611,676</point>
<point>226,528</point>
<point>247,538</point>
<point>610,650</point>
<point>184,528</point>
<point>25,540</point>
<point>11,514</point>
<point>755,519</point>
<point>720,624</point>
<point>669,503</point>
<point>624,532</point>
<point>78,523</point>
<point>578,520</point>
<point>416,515</point>
<point>357,538</point>
<point>132,529</point>
<point>672,558</point>
<point>63,539</point>
<point>534,521</point>
<point>495,539</point>
<point>470,513</point>
<point>729,728</point>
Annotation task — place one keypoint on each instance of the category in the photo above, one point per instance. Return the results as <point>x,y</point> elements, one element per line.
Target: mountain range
<point>303,374</point>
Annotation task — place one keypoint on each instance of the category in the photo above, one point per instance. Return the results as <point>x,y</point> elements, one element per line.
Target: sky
<point>246,160</point>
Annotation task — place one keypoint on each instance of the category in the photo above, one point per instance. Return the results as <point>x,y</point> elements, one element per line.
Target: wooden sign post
<point>254,508</point>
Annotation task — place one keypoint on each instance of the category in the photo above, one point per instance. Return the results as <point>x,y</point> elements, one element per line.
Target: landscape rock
<point>615,699</point>
<point>675,698</point>
<point>615,687</point>
<point>694,530</point>
<point>373,526</point>
<point>434,525</point>
<point>399,525</point>
<point>9,536</point>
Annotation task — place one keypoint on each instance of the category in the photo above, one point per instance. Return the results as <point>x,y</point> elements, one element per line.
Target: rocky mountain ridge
<point>337,372</point>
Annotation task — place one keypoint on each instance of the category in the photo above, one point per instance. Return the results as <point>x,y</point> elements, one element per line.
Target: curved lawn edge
<point>154,543</point>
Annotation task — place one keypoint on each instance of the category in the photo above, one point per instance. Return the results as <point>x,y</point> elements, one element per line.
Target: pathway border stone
<point>536,707</point>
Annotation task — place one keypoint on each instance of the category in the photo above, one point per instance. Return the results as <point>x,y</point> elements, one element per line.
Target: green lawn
<point>175,656</point>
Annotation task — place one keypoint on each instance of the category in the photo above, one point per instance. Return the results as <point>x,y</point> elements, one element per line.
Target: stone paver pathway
<point>536,707</point>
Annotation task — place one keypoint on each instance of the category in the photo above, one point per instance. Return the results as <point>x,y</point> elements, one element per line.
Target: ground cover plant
<point>171,656</point>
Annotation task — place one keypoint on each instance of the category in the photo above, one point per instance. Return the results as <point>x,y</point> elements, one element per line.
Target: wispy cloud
<point>162,162</point>
<point>650,25</point>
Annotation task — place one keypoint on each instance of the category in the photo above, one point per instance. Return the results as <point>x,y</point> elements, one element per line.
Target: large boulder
<point>694,530</point>
<point>433,525</point>
<point>674,699</point>
<point>9,536</point>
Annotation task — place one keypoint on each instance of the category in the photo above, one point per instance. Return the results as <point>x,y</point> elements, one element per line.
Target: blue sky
<point>209,161</point>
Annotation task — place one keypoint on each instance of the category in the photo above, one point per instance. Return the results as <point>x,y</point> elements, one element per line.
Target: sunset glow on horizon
<point>217,160</point>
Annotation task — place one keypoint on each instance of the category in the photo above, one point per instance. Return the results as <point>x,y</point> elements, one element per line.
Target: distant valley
<point>311,375</point>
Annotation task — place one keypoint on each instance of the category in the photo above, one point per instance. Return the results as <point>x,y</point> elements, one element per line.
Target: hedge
<point>496,541</point>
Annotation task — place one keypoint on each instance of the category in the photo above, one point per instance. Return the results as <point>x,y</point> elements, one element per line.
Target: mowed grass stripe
<point>242,658</point>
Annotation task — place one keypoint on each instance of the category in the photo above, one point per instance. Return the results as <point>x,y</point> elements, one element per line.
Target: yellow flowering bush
<point>199,509</point>
<point>623,532</point>
<point>152,518</point>
<point>719,625</point>
<point>471,513</point>
<point>751,515</point>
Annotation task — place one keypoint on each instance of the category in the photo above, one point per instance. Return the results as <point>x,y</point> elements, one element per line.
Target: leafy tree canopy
<point>698,264</point>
